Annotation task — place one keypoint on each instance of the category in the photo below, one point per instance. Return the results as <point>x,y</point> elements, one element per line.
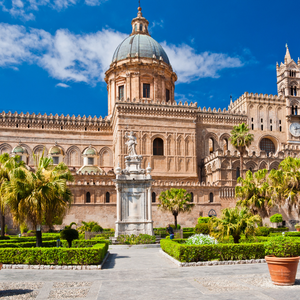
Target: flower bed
<point>195,253</point>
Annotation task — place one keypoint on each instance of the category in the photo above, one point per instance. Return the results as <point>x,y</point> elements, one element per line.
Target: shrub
<point>106,235</point>
<point>4,238</point>
<point>281,229</point>
<point>282,246</point>
<point>136,239</point>
<point>52,256</point>
<point>262,231</point>
<point>202,228</point>
<point>84,243</point>
<point>69,235</point>
<point>203,220</point>
<point>187,234</point>
<point>174,227</point>
<point>27,244</point>
<point>254,239</point>
<point>188,229</point>
<point>277,218</point>
<point>201,239</point>
<point>97,228</point>
<point>195,253</point>
<point>297,226</point>
<point>23,228</point>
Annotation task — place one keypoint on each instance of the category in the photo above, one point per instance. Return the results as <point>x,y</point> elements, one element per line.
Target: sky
<point>53,54</point>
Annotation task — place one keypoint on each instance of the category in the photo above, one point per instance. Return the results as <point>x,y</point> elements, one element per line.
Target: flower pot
<point>282,270</point>
<point>298,229</point>
<point>1,266</point>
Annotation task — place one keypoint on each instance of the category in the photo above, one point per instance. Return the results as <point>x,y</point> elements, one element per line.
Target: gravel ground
<point>68,293</point>
<point>61,285</point>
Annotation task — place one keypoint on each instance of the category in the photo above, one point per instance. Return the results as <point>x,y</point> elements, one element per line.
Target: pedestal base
<point>134,227</point>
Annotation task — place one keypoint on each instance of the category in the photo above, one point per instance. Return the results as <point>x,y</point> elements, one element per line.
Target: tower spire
<point>140,24</point>
<point>287,57</point>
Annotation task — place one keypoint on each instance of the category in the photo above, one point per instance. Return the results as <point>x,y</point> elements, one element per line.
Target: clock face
<point>295,129</point>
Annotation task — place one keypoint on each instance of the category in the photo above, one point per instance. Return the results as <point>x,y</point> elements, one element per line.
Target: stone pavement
<point>139,273</point>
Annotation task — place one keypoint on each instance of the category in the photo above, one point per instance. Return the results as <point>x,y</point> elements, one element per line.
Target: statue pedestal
<point>134,210</point>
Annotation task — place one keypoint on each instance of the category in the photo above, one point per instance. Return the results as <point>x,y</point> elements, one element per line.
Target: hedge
<point>281,229</point>
<point>26,239</point>
<point>53,256</point>
<point>187,234</point>
<point>27,244</point>
<point>186,253</point>
<point>85,243</point>
<point>188,229</point>
<point>291,233</point>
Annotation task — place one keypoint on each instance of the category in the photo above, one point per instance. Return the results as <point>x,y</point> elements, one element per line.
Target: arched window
<point>88,197</point>
<point>211,145</point>
<point>238,173</point>
<point>158,147</point>
<point>153,197</point>
<point>141,27</point>
<point>107,197</point>
<point>225,145</point>
<point>267,145</point>
<point>192,197</point>
<point>211,197</point>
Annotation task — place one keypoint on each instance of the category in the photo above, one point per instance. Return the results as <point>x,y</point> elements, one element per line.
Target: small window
<point>121,92</point>
<point>211,145</point>
<point>153,197</point>
<point>279,121</point>
<point>252,126</point>
<point>271,127</point>
<point>158,147</point>
<point>279,128</point>
<point>135,27</point>
<point>192,197</point>
<point>225,145</point>
<point>88,197</point>
<point>141,27</point>
<point>146,90</point>
<point>270,121</point>
<point>17,125</point>
<point>238,173</point>
<point>91,161</point>
<point>262,127</point>
<point>261,120</point>
<point>107,197</point>
<point>55,160</point>
<point>167,95</point>
<point>251,119</point>
<point>211,197</point>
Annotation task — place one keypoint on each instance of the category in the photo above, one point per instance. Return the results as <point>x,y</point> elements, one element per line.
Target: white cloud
<point>85,58</point>
<point>191,66</point>
<point>65,56</point>
<point>63,85</point>
<point>25,9</point>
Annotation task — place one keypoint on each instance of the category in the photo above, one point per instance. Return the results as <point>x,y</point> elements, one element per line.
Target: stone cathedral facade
<point>187,146</point>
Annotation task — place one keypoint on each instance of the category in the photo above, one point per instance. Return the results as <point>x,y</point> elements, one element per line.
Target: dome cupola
<point>21,152</point>
<point>56,153</point>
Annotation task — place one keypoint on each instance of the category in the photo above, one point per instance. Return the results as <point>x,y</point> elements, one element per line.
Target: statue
<point>131,143</point>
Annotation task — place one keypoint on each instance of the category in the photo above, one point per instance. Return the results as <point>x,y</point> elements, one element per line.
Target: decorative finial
<point>286,45</point>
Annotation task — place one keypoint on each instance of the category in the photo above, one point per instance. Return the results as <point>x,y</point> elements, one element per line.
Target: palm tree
<point>253,192</point>
<point>43,194</point>
<point>240,139</point>
<point>9,167</point>
<point>175,201</point>
<point>285,183</point>
<point>235,222</point>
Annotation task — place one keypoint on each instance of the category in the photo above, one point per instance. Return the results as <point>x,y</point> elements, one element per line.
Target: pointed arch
<point>73,156</point>
<point>106,157</point>
<point>263,165</point>
<point>274,165</point>
<point>5,148</point>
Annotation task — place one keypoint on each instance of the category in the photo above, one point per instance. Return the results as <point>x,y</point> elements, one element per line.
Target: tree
<point>43,194</point>
<point>175,201</point>
<point>240,139</point>
<point>253,192</point>
<point>285,184</point>
<point>9,167</point>
<point>235,222</point>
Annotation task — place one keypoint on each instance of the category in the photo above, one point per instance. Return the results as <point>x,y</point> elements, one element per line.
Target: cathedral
<point>187,146</point>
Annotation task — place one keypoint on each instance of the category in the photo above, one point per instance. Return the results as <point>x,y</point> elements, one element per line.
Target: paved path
<point>132,273</point>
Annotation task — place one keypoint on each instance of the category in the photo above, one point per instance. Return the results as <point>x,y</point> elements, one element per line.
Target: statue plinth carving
<point>134,206</point>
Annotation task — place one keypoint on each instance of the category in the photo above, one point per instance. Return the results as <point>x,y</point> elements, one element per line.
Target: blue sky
<point>53,54</point>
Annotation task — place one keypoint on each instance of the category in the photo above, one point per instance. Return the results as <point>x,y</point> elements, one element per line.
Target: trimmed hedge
<point>202,228</point>
<point>27,244</point>
<point>281,229</point>
<point>53,256</point>
<point>26,239</point>
<point>262,231</point>
<point>188,229</point>
<point>85,243</point>
<point>187,253</point>
<point>291,234</point>
<point>187,234</point>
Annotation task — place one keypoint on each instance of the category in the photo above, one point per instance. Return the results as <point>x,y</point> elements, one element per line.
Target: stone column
<point>119,216</point>
<point>149,205</point>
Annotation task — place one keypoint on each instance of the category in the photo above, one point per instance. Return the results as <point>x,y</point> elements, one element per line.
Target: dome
<point>140,45</point>
<point>55,150</point>
<point>90,151</point>
<point>19,149</point>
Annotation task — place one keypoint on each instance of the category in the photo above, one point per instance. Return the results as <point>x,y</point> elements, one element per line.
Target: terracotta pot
<point>1,266</point>
<point>298,229</point>
<point>283,270</point>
